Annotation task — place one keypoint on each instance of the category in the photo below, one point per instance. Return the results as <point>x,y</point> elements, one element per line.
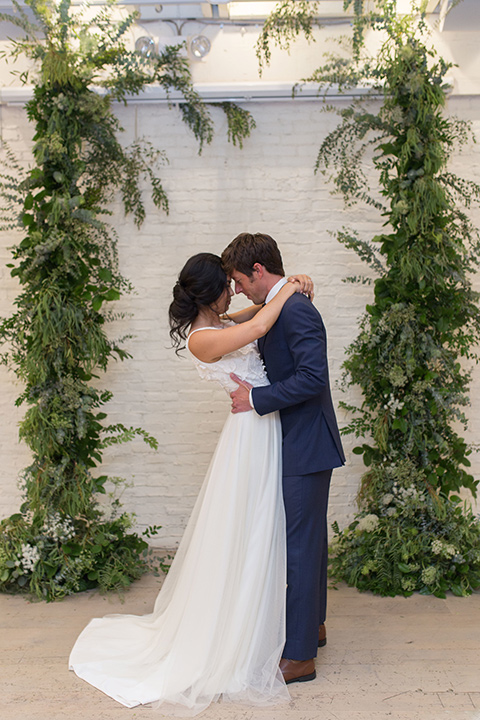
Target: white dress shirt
<point>275,289</point>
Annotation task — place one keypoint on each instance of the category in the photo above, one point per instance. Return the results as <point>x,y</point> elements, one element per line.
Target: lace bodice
<point>246,363</point>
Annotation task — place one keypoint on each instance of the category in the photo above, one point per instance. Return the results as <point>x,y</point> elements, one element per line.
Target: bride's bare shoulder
<point>199,343</point>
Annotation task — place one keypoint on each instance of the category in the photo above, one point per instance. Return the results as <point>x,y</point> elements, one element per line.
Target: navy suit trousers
<point>306,500</point>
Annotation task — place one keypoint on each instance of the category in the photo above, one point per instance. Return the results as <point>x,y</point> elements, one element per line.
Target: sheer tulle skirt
<point>218,626</point>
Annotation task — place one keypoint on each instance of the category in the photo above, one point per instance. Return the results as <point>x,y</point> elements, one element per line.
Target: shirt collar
<point>275,289</point>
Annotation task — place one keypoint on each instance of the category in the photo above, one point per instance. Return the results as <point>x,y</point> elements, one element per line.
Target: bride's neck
<point>207,318</point>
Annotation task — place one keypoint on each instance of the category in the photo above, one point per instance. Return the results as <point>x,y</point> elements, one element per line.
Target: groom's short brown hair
<point>247,249</point>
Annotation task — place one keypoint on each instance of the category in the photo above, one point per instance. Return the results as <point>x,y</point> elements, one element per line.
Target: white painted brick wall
<point>268,186</point>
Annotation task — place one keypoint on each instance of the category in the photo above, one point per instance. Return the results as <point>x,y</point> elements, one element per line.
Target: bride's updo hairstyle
<point>200,283</point>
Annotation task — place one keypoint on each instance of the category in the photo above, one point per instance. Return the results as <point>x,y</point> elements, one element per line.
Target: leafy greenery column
<point>412,532</point>
<point>60,541</point>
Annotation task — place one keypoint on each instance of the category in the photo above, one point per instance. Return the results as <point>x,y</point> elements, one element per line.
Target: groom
<point>295,356</point>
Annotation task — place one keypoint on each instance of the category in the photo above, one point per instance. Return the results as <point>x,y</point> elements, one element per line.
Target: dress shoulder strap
<point>210,327</point>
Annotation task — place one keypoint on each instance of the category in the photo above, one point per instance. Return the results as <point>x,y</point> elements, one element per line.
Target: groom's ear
<point>259,269</point>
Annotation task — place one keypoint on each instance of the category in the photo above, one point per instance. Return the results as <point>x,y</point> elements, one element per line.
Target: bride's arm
<point>241,316</point>
<point>210,345</point>
<point>244,314</point>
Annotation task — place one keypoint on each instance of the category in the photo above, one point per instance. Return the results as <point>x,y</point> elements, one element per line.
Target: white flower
<point>57,528</point>
<point>429,574</point>
<point>437,547</point>
<point>387,498</point>
<point>448,551</point>
<point>394,404</point>
<point>30,556</point>
<point>367,523</point>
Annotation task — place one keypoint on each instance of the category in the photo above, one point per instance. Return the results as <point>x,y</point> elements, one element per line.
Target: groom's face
<point>252,287</point>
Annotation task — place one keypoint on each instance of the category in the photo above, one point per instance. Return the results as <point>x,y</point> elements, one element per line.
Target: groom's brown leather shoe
<point>322,636</point>
<point>297,670</point>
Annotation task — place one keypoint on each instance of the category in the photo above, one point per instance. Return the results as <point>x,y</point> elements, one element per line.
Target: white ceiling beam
<point>444,8</point>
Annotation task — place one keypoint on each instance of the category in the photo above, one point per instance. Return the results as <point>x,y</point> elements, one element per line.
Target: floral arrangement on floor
<point>408,539</point>
<point>61,555</point>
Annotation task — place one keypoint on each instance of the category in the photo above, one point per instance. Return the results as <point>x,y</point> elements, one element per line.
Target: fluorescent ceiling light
<point>243,9</point>
<point>404,7</point>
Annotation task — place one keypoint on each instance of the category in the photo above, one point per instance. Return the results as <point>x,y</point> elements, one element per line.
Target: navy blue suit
<point>295,356</point>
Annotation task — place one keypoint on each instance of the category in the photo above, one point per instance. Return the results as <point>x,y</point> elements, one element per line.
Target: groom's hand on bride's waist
<point>240,396</point>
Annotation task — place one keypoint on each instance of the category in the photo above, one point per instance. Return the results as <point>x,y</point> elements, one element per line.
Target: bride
<point>217,628</point>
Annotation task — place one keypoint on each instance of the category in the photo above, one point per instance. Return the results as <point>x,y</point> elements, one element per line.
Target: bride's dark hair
<point>200,283</point>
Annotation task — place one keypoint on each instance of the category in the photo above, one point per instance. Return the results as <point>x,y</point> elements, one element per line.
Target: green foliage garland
<point>61,541</point>
<point>412,532</point>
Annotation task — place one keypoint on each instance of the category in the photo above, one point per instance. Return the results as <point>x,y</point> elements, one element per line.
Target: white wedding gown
<point>218,626</point>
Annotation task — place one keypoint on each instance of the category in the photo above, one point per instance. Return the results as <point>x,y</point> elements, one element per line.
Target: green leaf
<point>27,219</point>
<point>112,294</point>
<point>73,549</point>
<point>50,570</point>
<point>104,274</point>
<point>400,424</point>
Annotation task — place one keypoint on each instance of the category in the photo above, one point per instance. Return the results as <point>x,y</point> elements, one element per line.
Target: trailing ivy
<point>423,324</point>
<point>286,22</point>
<point>61,541</point>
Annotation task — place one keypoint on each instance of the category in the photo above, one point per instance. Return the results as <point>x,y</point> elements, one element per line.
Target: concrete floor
<point>414,658</point>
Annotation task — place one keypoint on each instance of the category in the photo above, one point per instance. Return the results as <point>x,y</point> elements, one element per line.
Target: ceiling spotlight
<point>199,46</point>
<point>145,46</point>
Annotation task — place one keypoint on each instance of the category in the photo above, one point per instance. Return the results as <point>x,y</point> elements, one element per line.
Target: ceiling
<point>454,15</point>
<point>463,17</point>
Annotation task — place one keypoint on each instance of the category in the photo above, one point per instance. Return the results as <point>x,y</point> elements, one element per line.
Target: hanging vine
<point>411,532</point>
<point>61,541</point>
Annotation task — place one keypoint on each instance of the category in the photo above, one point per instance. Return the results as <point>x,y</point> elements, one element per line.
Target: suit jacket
<point>295,356</point>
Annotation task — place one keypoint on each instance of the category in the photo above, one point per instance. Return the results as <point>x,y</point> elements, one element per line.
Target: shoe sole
<point>303,678</point>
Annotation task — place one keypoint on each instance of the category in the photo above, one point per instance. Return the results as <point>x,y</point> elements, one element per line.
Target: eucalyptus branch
<point>240,122</point>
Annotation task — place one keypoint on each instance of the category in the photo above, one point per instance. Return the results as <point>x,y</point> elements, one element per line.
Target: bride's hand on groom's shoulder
<point>305,283</point>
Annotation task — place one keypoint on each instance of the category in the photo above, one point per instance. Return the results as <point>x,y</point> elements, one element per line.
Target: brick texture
<point>268,186</point>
